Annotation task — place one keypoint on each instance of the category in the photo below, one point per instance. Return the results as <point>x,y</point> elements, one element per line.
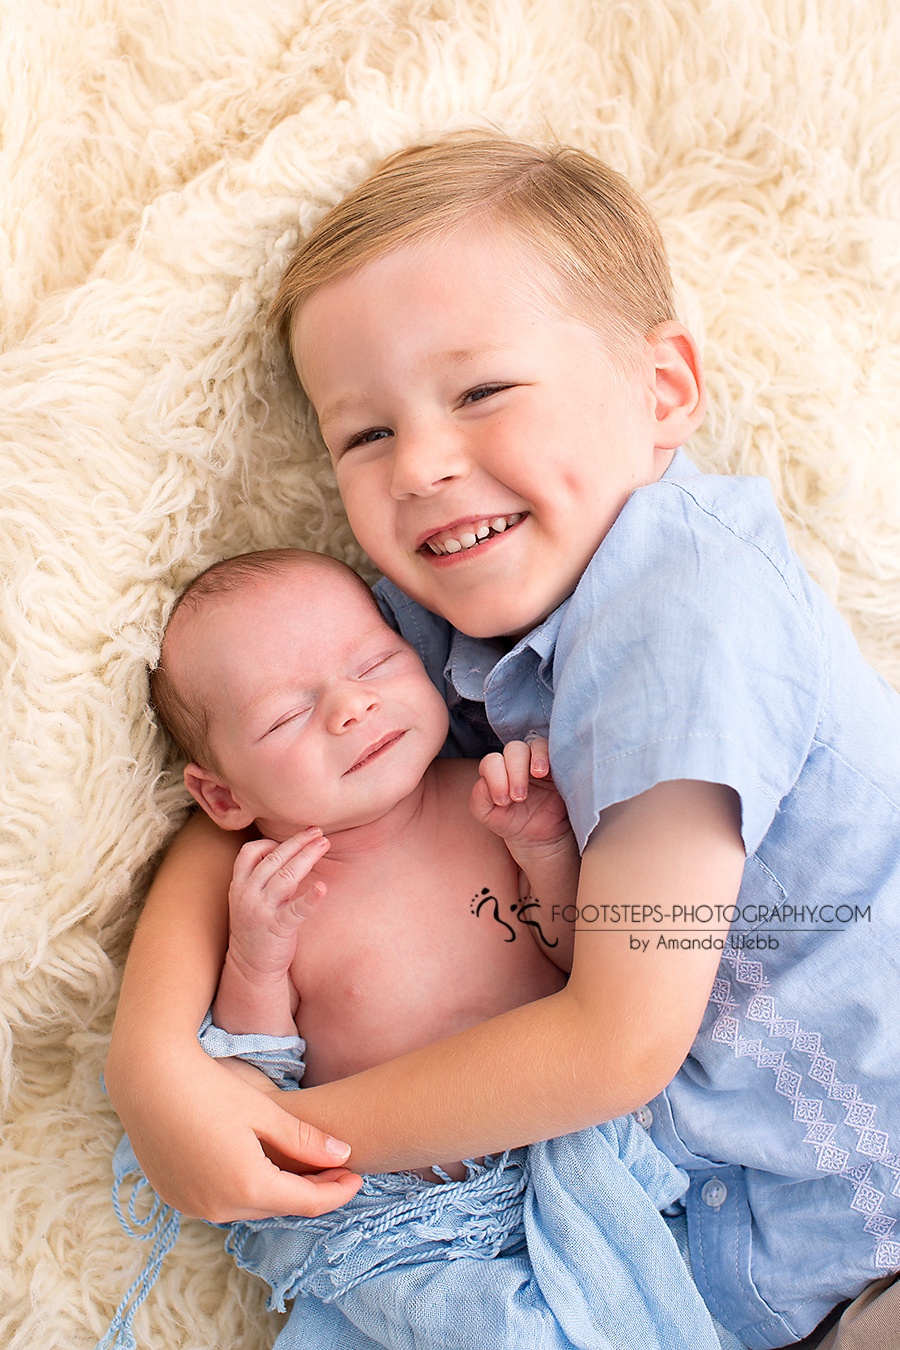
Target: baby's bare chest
<point>401,956</point>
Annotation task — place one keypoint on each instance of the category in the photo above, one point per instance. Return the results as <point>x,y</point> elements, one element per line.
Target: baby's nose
<point>351,704</point>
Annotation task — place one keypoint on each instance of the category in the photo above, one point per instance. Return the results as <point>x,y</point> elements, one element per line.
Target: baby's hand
<point>271,895</point>
<point>516,798</point>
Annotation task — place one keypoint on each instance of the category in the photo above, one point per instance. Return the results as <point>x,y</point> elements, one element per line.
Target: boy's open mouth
<point>463,537</point>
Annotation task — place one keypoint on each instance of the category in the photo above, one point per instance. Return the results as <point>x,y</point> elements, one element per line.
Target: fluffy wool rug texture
<point>158,165</point>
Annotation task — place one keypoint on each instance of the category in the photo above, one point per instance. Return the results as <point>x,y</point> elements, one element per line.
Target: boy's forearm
<point>531,1074</point>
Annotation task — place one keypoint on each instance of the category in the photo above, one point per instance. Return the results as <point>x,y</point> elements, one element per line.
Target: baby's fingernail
<point>336,1148</point>
<point>519,794</point>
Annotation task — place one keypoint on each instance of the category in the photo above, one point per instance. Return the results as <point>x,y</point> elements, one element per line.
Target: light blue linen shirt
<point>696,646</point>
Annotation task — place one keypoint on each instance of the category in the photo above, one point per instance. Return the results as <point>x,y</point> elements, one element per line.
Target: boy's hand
<point>515,796</point>
<point>238,1153</point>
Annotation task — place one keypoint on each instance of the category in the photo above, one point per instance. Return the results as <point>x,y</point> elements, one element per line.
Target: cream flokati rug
<point>158,164</point>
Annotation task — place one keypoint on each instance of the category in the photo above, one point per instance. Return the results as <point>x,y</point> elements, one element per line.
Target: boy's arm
<point>196,1127</point>
<point>604,1045</point>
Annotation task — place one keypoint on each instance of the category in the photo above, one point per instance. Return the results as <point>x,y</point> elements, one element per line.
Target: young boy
<point>486,333</point>
<point>394,914</point>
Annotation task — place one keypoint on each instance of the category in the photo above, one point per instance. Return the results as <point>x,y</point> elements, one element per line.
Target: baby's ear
<point>216,798</point>
<point>680,387</point>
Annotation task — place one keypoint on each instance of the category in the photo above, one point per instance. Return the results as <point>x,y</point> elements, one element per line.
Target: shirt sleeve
<point>689,650</point>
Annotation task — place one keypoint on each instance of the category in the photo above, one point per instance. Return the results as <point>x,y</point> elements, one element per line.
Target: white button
<point>714,1193</point>
<point>644,1117</point>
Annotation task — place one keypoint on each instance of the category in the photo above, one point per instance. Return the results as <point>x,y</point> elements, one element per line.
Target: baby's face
<point>319,713</point>
<point>483,441</point>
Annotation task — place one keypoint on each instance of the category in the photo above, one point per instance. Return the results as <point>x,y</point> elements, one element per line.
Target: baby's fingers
<point>292,858</point>
<point>540,754</point>
<point>517,758</point>
<point>507,776</point>
<point>495,777</point>
<point>280,872</point>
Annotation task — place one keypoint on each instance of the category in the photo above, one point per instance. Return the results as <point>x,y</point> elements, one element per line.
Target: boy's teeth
<point>473,535</point>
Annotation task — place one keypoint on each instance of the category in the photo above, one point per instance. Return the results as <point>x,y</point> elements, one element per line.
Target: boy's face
<point>319,713</point>
<point>459,404</point>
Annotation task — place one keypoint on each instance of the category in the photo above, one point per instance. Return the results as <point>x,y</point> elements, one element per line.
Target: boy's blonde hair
<point>582,217</point>
<point>179,710</point>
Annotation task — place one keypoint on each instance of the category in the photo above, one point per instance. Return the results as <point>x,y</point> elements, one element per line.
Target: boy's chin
<point>494,627</point>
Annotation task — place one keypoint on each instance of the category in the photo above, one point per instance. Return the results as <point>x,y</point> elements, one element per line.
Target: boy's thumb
<point>328,1151</point>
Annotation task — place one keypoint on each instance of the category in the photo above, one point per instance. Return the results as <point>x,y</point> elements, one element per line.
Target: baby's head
<point>485,331</point>
<point>294,700</point>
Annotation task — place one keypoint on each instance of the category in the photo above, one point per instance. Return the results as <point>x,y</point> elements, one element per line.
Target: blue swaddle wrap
<point>557,1247</point>
<point>560,1246</point>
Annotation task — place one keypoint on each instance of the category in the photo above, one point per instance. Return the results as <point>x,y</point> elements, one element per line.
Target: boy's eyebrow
<point>457,357</point>
<point>470,353</point>
<point>336,408</point>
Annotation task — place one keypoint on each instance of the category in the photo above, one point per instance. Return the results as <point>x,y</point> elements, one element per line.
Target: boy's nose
<point>424,460</point>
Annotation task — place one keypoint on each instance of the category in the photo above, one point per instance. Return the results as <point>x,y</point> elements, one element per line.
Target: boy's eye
<point>368,437</point>
<point>482,392</point>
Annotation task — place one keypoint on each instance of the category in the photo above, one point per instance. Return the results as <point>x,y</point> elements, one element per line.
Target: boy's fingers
<point>296,867</point>
<point>279,1192</point>
<point>307,844</point>
<point>318,1148</point>
<point>251,855</point>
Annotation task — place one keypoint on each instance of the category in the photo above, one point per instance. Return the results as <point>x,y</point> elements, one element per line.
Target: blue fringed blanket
<point>560,1246</point>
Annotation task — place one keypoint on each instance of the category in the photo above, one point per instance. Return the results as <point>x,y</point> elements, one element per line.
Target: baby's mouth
<point>386,741</point>
<point>464,537</point>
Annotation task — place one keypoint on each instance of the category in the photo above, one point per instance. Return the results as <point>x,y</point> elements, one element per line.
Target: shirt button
<point>644,1117</point>
<point>714,1193</point>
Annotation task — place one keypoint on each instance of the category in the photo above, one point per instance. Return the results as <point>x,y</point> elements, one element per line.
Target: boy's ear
<point>680,387</point>
<point>216,798</point>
